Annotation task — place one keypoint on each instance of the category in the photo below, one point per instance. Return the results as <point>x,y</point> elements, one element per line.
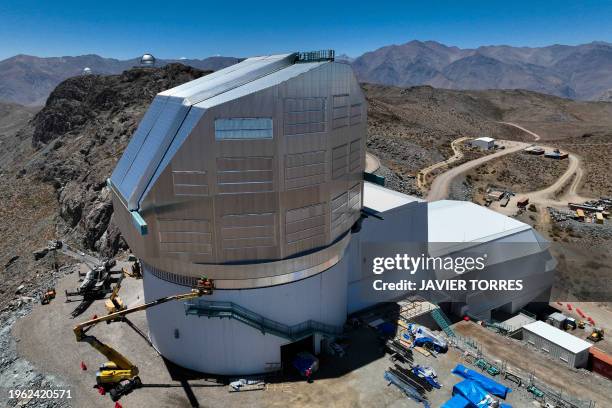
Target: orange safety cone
<point>94,317</point>
<point>118,405</point>
<point>83,366</point>
<point>101,390</point>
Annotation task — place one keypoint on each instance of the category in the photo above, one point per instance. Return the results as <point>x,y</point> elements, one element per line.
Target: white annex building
<point>253,176</point>
<point>484,143</point>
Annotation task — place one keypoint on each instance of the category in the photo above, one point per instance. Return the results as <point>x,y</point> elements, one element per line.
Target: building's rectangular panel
<point>188,248</point>
<point>244,175</point>
<point>248,176</point>
<point>189,190</point>
<point>190,183</point>
<point>300,159</point>
<point>304,171</point>
<point>339,161</point>
<point>186,237</point>
<point>183,225</point>
<point>192,178</point>
<point>355,114</point>
<point>243,128</point>
<point>244,163</point>
<point>306,233</point>
<point>247,220</point>
<point>241,188</point>
<point>340,111</point>
<point>355,155</point>
<point>248,242</point>
<point>304,115</point>
<point>304,224</point>
<point>247,232</point>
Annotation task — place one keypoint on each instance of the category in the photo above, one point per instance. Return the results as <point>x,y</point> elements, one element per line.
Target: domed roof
<point>86,71</point>
<point>147,59</point>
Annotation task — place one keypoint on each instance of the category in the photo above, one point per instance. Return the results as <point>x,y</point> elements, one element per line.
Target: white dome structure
<point>87,71</point>
<point>147,60</point>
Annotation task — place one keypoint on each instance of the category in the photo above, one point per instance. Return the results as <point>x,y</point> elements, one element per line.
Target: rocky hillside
<point>580,72</point>
<point>28,80</point>
<point>54,169</point>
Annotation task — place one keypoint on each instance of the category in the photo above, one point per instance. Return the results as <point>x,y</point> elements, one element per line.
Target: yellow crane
<point>119,368</point>
<point>114,303</point>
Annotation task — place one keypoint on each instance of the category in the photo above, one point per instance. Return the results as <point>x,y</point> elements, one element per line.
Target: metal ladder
<point>443,321</point>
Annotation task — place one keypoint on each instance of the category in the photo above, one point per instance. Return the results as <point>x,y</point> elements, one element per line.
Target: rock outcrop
<point>80,134</point>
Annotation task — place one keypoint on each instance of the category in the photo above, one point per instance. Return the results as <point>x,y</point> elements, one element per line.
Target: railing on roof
<point>314,56</point>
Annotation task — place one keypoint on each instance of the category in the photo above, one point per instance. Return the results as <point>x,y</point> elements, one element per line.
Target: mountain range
<point>578,72</point>
<point>28,80</point>
<point>582,72</point>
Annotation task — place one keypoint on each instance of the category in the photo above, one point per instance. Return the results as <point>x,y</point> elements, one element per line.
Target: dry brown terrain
<point>516,172</point>
<point>412,128</point>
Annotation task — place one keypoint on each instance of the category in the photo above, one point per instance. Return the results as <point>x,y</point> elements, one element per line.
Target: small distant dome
<point>147,59</point>
<point>87,71</point>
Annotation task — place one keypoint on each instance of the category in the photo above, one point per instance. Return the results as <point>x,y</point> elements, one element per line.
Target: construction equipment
<point>596,335</point>
<point>114,303</point>
<point>428,374</point>
<point>135,271</point>
<point>47,296</point>
<point>94,282</point>
<point>423,337</point>
<point>581,324</point>
<point>119,374</point>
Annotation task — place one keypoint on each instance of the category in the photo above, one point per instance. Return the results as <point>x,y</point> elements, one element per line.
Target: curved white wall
<point>225,346</point>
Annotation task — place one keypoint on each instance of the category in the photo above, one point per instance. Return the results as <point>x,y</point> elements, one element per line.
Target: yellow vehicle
<point>114,303</point>
<point>581,324</point>
<point>47,296</point>
<point>119,373</point>
<point>596,335</point>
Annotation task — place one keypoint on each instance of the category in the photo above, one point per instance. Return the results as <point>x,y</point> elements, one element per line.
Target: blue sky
<point>197,29</point>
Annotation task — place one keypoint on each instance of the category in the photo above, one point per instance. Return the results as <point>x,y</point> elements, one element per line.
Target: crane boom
<point>80,328</point>
<point>119,367</point>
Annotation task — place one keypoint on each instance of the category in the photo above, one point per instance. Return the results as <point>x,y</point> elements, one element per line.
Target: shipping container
<point>600,362</point>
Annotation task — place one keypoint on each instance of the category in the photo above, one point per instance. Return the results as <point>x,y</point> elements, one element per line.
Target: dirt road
<point>440,186</point>
<point>457,155</point>
<point>536,137</point>
<point>558,194</point>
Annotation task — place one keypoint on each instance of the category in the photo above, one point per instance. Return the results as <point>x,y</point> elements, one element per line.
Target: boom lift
<point>114,303</point>
<point>119,374</point>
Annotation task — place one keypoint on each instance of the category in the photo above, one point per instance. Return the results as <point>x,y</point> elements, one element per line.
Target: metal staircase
<point>233,311</point>
<point>443,321</point>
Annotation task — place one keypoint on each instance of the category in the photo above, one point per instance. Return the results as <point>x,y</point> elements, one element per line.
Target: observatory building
<point>253,176</point>
<point>147,60</point>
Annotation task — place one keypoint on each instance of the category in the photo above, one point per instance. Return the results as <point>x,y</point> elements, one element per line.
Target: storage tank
<point>250,176</point>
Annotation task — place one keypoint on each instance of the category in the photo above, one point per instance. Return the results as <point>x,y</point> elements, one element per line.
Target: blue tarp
<point>471,391</point>
<point>486,383</point>
<point>475,394</point>
<point>457,402</point>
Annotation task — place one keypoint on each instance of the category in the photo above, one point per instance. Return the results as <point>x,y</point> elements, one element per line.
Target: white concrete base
<point>228,347</point>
